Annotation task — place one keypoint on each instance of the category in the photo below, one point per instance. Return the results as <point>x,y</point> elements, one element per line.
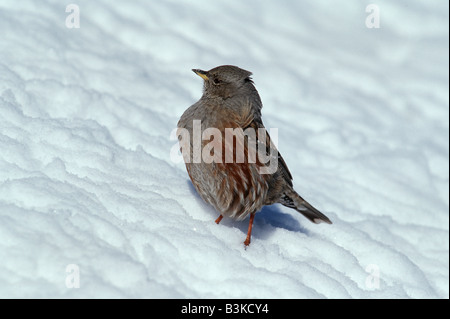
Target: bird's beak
<point>201,73</point>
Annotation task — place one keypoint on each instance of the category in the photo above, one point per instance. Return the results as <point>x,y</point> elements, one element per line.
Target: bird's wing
<point>248,120</point>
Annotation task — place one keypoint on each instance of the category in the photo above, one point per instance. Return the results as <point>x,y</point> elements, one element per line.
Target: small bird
<point>236,189</point>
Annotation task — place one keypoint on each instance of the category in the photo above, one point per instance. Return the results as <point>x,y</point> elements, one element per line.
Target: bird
<point>236,189</point>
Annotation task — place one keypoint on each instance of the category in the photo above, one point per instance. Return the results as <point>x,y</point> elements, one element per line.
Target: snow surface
<point>86,176</point>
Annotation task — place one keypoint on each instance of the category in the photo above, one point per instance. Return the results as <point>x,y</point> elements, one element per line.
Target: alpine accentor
<point>235,187</point>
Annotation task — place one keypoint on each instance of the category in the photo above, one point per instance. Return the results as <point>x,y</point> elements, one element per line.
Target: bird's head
<point>225,81</point>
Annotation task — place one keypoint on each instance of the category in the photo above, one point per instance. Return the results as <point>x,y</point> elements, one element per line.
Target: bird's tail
<point>293,200</point>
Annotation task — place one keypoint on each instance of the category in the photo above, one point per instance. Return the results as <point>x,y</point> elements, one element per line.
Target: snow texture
<point>87,181</point>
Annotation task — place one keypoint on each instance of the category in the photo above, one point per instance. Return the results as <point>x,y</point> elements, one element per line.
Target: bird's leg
<point>219,219</point>
<point>249,232</point>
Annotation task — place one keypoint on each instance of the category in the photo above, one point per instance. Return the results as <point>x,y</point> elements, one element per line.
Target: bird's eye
<point>216,81</point>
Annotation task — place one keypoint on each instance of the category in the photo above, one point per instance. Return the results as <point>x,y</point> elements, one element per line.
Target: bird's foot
<point>249,232</point>
<point>219,219</point>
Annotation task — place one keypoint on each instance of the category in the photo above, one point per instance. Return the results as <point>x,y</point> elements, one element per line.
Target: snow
<point>86,177</point>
